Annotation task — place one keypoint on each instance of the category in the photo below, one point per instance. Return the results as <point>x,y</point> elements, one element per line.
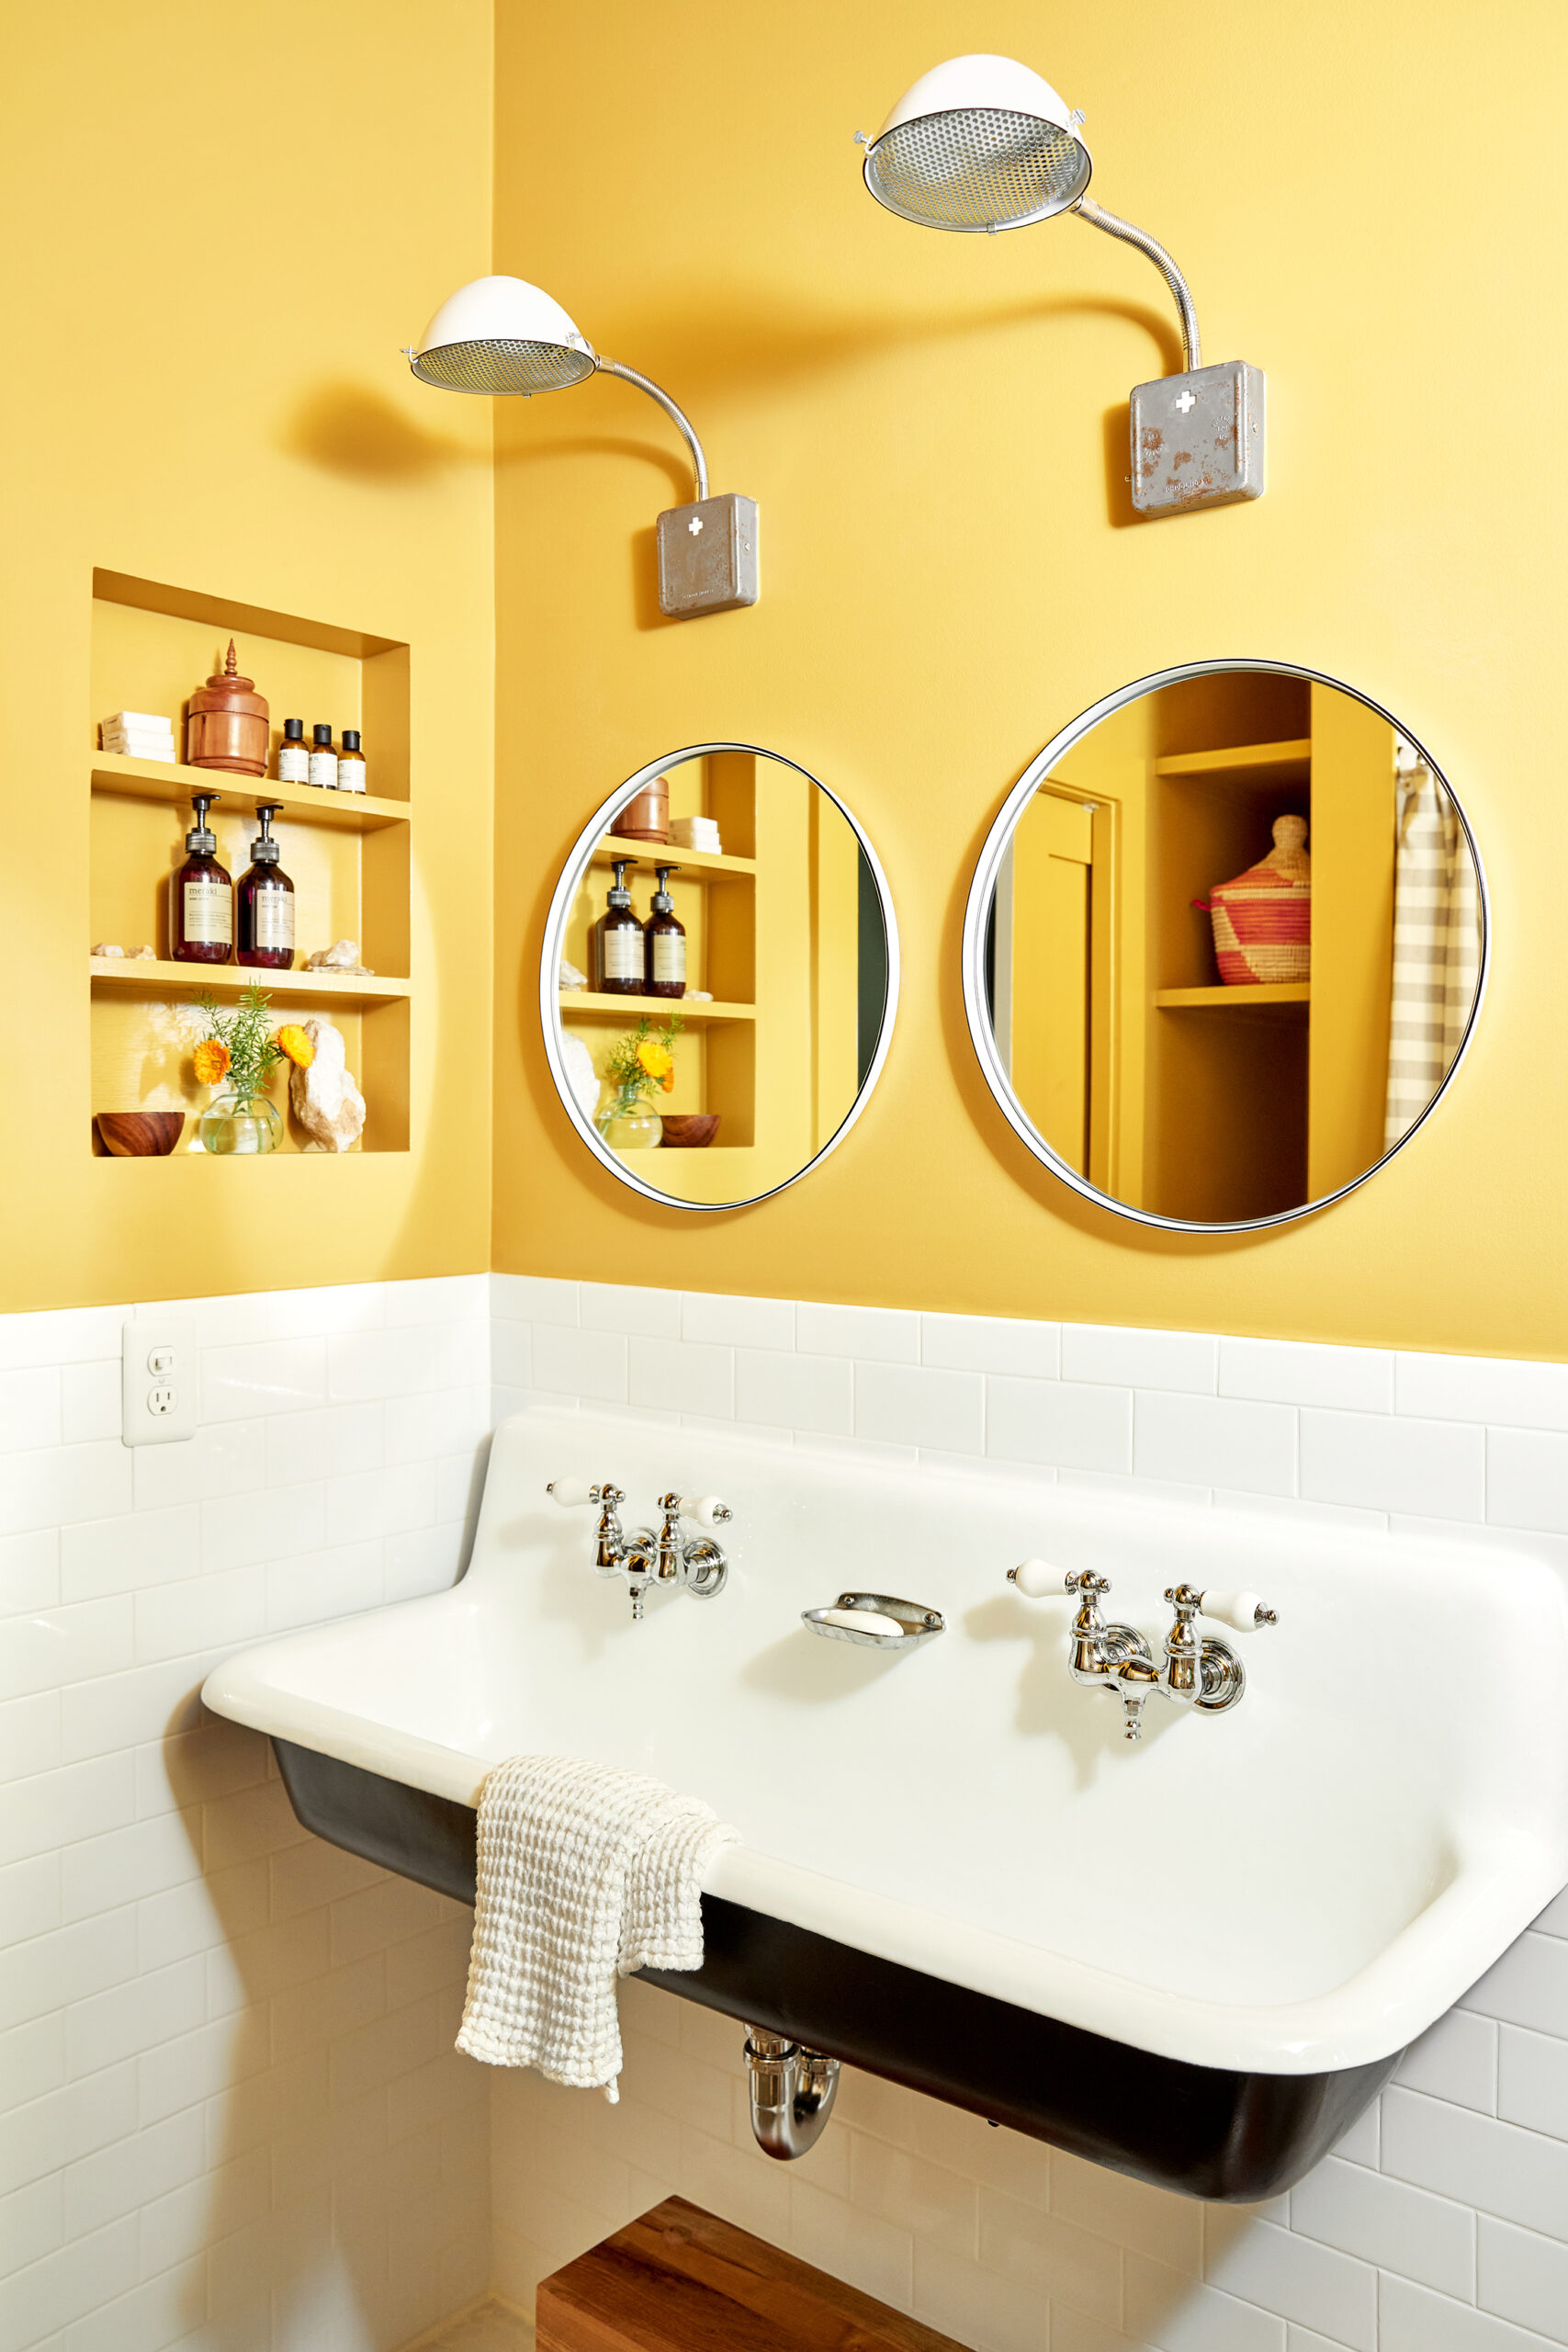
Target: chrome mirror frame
<point>556,926</point>
<point>977,917</point>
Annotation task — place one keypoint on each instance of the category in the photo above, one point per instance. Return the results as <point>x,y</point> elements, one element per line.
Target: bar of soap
<point>864,1620</point>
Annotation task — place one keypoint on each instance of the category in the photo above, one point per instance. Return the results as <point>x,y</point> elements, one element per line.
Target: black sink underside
<point>1202,2130</point>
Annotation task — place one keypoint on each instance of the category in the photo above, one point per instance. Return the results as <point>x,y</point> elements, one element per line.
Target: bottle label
<point>668,956</point>
<point>274,918</point>
<point>623,951</point>
<point>323,769</point>
<point>209,912</point>
<point>350,774</point>
<point>293,763</point>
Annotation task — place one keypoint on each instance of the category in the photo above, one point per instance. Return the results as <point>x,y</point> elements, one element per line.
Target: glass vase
<point>240,1122</point>
<point>637,1128</point>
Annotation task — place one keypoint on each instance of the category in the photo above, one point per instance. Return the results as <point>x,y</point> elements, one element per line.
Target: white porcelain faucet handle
<point>1244,1611</point>
<point>705,1511</point>
<point>568,1492</point>
<point>1036,1579</point>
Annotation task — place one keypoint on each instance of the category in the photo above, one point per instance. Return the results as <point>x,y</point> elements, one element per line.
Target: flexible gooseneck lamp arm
<point>981,144</point>
<point>502,336</point>
<point>645,384</point>
<point>1115,226</point>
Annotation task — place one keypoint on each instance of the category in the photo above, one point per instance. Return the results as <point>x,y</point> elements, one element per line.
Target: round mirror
<point>1225,946</point>
<point>719,976</point>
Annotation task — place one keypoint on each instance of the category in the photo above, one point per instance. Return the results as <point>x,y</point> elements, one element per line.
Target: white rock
<point>571,977</point>
<point>581,1075</point>
<point>342,956</point>
<point>107,947</point>
<point>145,955</point>
<point>325,1100</point>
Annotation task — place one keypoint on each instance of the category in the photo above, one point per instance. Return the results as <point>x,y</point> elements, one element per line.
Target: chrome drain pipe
<point>793,2090</point>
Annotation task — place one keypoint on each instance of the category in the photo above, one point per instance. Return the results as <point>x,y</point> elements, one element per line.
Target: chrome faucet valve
<point>1199,1670</point>
<point>612,1547</point>
<point>698,1563</point>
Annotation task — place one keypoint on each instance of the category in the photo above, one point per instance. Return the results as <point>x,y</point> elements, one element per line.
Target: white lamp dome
<point>501,334</point>
<point>978,144</point>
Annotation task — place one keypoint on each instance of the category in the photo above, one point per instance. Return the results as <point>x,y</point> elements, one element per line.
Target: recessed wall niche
<point>348,854</point>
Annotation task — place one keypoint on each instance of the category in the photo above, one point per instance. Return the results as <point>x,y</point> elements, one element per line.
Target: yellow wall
<point>948,574</point>
<point>221,237</point>
<point>222,229</point>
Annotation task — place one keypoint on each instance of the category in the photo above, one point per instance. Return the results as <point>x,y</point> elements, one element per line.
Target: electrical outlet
<point>158,1376</point>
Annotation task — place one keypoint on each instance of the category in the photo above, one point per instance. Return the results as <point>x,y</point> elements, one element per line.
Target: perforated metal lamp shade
<point>982,144</point>
<point>979,145</point>
<point>500,336</point>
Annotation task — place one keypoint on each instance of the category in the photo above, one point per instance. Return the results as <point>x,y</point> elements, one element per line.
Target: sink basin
<point>1196,1959</point>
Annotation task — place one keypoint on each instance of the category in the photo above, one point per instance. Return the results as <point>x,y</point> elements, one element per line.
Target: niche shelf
<point>657,1008</point>
<point>1240,999</point>
<point>232,980</point>
<point>303,804</point>
<point>611,849</point>
<point>348,855</point>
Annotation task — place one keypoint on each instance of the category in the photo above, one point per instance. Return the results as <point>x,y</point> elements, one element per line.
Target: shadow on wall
<point>348,428</point>
<point>736,343</point>
<point>745,339</point>
<point>344,2196</point>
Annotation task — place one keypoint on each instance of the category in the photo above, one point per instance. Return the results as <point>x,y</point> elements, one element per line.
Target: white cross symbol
<point>694,525</point>
<point>1186,401</point>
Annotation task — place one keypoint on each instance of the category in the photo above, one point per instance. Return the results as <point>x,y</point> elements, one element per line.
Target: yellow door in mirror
<point>1052,941</point>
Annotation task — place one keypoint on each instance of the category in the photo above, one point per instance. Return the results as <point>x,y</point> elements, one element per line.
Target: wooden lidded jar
<point>226,726</point>
<point>646,816</point>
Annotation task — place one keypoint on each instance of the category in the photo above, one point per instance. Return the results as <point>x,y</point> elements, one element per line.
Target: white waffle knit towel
<point>585,1874</point>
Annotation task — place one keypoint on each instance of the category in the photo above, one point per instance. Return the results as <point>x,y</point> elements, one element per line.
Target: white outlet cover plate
<point>158,1380</point>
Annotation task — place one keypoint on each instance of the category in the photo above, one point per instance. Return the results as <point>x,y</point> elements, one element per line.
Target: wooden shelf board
<point>1239,757</point>
<point>629,1008</point>
<point>157,979</point>
<point>1237,998</point>
<point>353,812</point>
<point>696,861</point>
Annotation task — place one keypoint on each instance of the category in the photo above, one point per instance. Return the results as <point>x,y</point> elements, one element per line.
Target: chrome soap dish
<point>888,1623</point>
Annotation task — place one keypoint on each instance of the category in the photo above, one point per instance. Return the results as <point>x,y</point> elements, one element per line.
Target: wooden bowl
<point>139,1134</point>
<point>688,1130</point>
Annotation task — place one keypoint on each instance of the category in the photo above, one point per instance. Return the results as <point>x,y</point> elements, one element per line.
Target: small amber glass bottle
<point>201,896</point>
<point>265,903</point>
<point>351,762</point>
<point>617,941</point>
<point>323,759</point>
<point>293,759</point>
<point>664,941</point>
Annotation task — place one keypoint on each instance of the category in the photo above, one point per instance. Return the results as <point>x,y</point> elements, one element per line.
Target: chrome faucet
<point>697,1563</point>
<point>1198,1670</point>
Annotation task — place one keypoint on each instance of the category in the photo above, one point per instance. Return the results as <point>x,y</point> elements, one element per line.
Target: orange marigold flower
<point>655,1057</point>
<point>296,1044</point>
<point>211,1061</point>
<point>668,1081</point>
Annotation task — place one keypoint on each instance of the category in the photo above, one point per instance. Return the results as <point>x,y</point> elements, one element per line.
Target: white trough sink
<point>1298,1886</point>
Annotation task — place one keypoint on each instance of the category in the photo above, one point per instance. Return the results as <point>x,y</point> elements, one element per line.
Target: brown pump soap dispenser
<point>226,723</point>
<point>664,941</point>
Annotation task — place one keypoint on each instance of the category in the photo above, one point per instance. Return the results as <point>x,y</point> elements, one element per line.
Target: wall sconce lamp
<point>502,335</point>
<point>982,144</point>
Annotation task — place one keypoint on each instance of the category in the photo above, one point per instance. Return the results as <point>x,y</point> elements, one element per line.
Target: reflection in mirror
<point>1229,945</point>
<point>719,975</point>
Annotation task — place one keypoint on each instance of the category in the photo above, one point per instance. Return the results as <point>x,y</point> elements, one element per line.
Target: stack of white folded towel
<point>140,734</point>
<point>585,1874</point>
<point>695,833</point>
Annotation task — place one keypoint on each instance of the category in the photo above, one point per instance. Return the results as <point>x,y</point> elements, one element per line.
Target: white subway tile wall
<point>1441,2223</point>
<point>230,2113</point>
